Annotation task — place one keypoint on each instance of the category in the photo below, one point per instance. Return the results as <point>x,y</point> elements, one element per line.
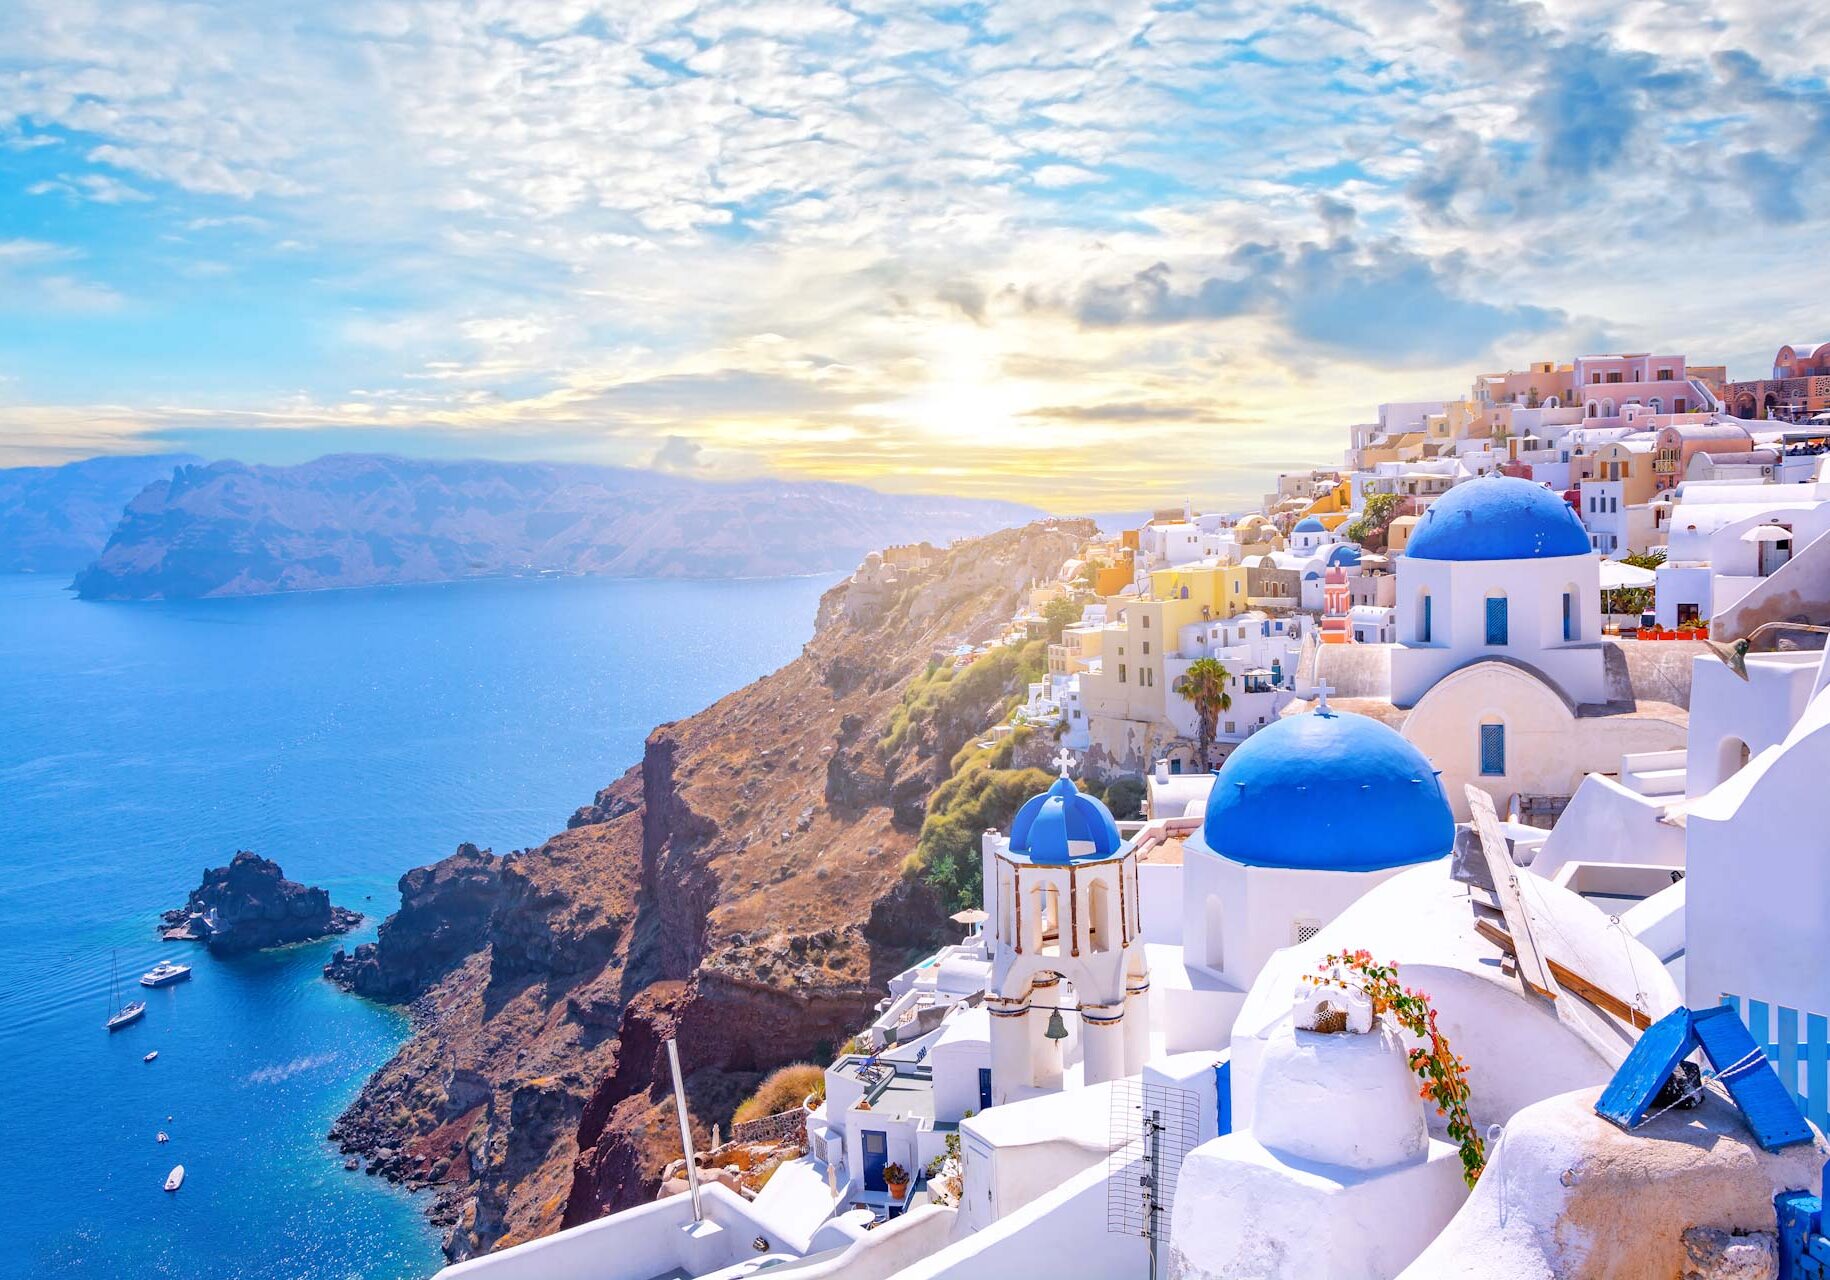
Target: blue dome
<point>1497,518</point>
<point>1063,825</point>
<point>1344,555</point>
<point>1327,791</point>
<point>1309,524</point>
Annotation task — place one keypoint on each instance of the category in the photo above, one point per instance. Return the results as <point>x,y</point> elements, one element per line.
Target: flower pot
<point>897,1189</point>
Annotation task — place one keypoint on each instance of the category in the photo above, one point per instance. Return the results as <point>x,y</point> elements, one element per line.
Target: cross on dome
<point>1063,761</point>
<point>1321,691</point>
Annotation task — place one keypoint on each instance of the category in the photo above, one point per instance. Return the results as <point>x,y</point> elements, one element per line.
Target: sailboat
<point>123,1014</point>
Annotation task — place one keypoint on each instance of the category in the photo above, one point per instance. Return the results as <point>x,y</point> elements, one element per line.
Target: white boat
<point>174,1179</point>
<point>164,974</point>
<point>149,1057</point>
<point>124,1014</point>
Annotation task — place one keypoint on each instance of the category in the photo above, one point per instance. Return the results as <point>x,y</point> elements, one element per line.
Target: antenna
<point>1153,1128</point>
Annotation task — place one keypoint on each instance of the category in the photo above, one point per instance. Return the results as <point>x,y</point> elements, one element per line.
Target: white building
<point>1725,539</point>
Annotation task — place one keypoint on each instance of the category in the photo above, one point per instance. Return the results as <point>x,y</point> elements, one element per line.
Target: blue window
<point>1493,750</point>
<point>1423,626</point>
<point>1496,620</point>
<point>1569,616</point>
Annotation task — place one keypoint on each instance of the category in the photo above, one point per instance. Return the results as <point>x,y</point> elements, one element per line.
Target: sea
<point>349,735</point>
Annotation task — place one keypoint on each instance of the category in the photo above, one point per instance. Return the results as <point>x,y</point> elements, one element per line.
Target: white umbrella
<point>1767,533</point>
<point>1617,573</point>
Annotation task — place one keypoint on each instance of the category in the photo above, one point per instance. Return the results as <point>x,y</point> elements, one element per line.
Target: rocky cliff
<point>250,905</point>
<point>742,889</point>
<point>356,520</point>
<point>57,519</point>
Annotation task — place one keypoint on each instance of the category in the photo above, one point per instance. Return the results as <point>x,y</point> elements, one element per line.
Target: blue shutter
<point>1569,616</point>
<point>1493,750</point>
<point>1496,620</point>
<point>1424,632</point>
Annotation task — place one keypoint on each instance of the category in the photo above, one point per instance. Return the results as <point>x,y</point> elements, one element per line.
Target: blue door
<point>876,1155</point>
<point>984,1087</point>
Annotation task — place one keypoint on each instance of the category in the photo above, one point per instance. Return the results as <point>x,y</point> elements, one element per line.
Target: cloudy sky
<point>1095,258</point>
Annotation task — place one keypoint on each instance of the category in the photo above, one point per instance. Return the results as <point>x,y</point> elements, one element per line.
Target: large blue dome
<point>1327,791</point>
<point>1497,518</point>
<point>1064,825</point>
<point>1344,556</point>
<point>1309,524</point>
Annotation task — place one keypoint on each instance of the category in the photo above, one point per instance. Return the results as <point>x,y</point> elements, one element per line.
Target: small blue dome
<point>1327,791</point>
<point>1309,524</point>
<point>1497,518</point>
<point>1344,555</point>
<point>1064,825</point>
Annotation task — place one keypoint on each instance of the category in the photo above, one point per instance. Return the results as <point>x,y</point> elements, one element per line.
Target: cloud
<point>678,454</point>
<point>1374,302</point>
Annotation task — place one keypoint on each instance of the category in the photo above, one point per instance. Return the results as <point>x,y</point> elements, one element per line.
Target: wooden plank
<point>1646,1068</point>
<point>1593,992</point>
<point>1786,1038</point>
<point>1743,1067</point>
<point>1534,974</point>
<point>1817,1070</point>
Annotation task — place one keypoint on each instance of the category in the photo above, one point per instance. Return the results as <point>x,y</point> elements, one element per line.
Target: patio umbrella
<point>1767,533</point>
<point>970,916</point>
<point>1617,573</point>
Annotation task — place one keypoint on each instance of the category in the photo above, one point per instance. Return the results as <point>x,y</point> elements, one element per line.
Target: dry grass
<point>781,1089</point>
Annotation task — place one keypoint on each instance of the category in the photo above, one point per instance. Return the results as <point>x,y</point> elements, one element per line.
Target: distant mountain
<point>56,519</point>
<point>355,520</point>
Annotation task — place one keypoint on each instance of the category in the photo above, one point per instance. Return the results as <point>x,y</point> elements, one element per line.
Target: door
<point>876,1155</point>
<point>984,1088</point>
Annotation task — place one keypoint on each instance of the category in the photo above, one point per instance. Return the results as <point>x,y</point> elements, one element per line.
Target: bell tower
<point>1069,978</point>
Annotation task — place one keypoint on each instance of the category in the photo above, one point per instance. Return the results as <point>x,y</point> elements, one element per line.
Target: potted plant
<point>896,1178</point>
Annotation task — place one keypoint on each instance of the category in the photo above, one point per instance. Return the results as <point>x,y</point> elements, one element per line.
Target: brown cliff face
<point>741,890</point>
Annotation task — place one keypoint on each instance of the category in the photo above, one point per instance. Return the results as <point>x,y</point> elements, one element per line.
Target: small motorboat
<point>175,1178</point>
<point>164,974</point>
<point>149,1057</point>
<point>164,1136</point>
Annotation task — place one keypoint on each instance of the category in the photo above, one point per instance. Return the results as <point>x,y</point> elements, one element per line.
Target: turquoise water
<point>349,735</point>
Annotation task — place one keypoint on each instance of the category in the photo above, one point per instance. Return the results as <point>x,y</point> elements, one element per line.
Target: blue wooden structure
<point>1804,1252</point>
<point>1740,1064</point>
<point>1798,1044</point>
<point>1223,1096</point>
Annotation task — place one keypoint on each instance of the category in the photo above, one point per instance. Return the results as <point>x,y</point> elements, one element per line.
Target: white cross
<point>1063,761</point>
<point>1321,692</point>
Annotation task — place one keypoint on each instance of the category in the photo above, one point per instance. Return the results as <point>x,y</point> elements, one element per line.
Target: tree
<point>1376,518</point>
<point>1059,613</point>
<point>1204,685</point>
<point>1635,599</point>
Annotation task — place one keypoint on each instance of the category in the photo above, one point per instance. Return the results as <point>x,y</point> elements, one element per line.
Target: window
<point>1679,405</point>
<point>1305,930</point>
<point>1569,616</point>
<point>1664,375</point>
<point>1121,673</point>
<point>1146,648</point>
<point>1423,620</point>
<point>1613,377</point>
<point>1146,626</point>
<point>1496,619</point>
<point>1493,750</point>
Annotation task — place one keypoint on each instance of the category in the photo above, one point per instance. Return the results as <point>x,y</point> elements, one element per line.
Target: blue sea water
<point>349,735</point>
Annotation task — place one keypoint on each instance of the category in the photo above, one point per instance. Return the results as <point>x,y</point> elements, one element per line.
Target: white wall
<point>1534,591</point>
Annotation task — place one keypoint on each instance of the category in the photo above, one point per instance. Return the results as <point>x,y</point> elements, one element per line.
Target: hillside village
<point>1397,968</point>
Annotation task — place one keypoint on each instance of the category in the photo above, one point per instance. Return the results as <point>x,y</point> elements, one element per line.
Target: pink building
<point>1604,385</point>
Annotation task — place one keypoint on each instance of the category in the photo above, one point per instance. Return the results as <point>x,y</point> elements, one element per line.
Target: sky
<point>1095,258</point>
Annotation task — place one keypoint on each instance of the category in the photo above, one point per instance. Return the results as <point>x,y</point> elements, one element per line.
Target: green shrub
<point>781,1089</point>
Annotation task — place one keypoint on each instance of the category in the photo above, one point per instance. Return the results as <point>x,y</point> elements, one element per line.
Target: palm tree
<point>1204,685</point>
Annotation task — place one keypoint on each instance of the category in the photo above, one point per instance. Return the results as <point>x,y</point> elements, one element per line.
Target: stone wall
<point>783,1126</point>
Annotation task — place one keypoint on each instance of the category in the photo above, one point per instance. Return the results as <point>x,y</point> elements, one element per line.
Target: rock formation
<point>357,520</point>
<point>250,905</point>
<point>742,889</point>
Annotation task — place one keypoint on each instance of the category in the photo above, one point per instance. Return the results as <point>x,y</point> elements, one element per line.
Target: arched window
<point>1493,749</point>
<point>1497,621</point>
<point>1571,623</point>
<point>1593,409</point>
<point>1656,405</point>
<point>1099,913</point>
<point>1607,407</point>
<point>1423,618</point>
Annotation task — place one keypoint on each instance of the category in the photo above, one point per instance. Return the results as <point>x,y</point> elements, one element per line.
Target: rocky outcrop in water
<point>250,905</point>
<point>742,889</point>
